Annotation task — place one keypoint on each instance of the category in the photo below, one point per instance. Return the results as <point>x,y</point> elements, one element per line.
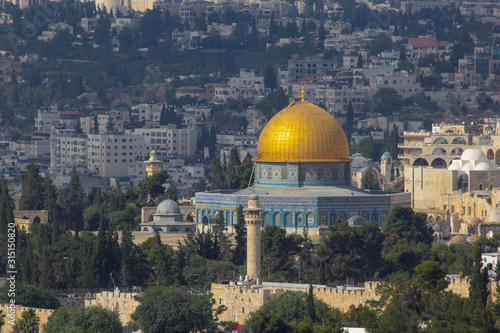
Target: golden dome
<point>303,132</point>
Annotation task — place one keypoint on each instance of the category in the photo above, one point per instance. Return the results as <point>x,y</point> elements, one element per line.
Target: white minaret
<point>253,219</point>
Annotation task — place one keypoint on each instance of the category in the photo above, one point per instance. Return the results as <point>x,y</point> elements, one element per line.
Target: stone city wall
<point>123,303</point>
<point>43,314</point>
<point>241,300</point>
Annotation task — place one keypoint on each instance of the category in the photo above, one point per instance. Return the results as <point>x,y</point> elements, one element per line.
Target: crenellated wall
<point>123,303</point>
<point>43,314</point>
<point>241,300</point>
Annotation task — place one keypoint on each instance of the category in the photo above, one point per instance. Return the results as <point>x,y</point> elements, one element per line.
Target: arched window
<point>440,141</point>
<point>480,187</point>
<point>276,219</point>
<point>288,220</point>
<point>439,163</point>
<point>375,217</point>
<point>439,151</point>
<point>310,219</point>
<point>457,151</point>
<point>332,218</point>
<point>266,219</point>
<point>342,216</point>
<point>458,141</point>
<point>420,162</point>
<point>228,218</point>
<point>299,219</point>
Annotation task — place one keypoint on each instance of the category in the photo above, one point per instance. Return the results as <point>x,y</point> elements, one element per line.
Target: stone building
<point>167,218</point>
<point>302,176</point>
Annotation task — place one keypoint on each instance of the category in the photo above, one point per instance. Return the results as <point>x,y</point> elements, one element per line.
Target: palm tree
<point>2,319</point>
<point>29,323</point>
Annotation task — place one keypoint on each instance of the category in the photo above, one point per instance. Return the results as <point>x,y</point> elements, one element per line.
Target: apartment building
<point>169,141</point>
<point>111,155</point>
<point>405,85</point>
<point>148,111</point>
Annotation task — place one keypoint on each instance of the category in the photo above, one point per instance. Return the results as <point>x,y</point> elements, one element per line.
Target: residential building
<point>111,155</point>
<point>169,141</point>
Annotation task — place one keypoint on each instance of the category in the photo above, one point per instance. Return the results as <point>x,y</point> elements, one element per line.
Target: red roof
<point>190,88</point>
<point>426,42</point>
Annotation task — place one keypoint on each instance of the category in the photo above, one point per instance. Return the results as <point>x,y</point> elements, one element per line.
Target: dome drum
<point>303,174</point>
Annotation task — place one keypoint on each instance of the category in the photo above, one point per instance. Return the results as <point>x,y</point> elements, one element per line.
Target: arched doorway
<point>463,183</point>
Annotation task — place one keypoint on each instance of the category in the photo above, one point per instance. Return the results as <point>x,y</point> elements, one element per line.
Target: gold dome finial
<point>303,92</point>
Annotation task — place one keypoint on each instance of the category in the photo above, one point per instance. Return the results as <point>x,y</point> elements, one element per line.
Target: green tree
<point>369,181</point>
<point>131,268</point>
<point>393,142</point>
<point>31,189</point>
<point>84,319</point>
<point>430,277</point>
<point>242,173</point>
<point>29,322</point>
<point>73,203</point>
<point>311,309</point>
<point>407,237</point>
<point>171,192</point>
<point>263,321</point>
<point>360,61</point>
<point>274,101</point>
<point>153,185</point>
<point>387,101</point>
<point>349,123</point>
<point>478,288</point>
<point>278,250</point>
<point>270,78</point>
<point>174,310</point>
<point>218,175</point>
<point>240,250</point>
<point>30,296</point>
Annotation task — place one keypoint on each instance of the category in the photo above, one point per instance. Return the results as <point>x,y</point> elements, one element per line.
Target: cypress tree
<point>240,250</point>
<point>311,309</point>
<point>31,189</point>
<point>130,261</point>
<point>393,142</point>
<point>478,289</point>
<point>73,203</point>
<point>101,257</point>
<point>218,181</point>
<point>360,61</point>
<point>270,78</point>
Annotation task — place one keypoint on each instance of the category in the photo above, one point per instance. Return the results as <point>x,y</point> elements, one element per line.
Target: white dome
<point>454,166</point>
<point>483,166</point>
<point>468,167</point>
<point>473,155</point>
<point>168,207</point>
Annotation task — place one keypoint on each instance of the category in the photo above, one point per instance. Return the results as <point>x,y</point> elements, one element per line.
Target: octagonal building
<point>302,175</point>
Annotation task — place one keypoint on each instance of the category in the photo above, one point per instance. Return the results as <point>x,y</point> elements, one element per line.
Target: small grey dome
<point>437,228</point>
<point>386,155</point>
<point>253,196</point>
<point>168,207</point>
